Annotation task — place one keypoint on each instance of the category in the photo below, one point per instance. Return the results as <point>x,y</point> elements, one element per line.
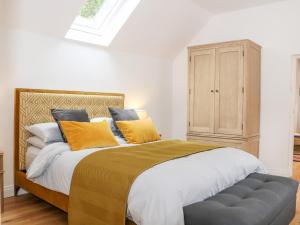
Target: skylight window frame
<point>94,24</point>
<point>101,31</point>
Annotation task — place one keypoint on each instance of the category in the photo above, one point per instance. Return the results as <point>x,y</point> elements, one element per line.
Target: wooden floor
<point>28,210</point>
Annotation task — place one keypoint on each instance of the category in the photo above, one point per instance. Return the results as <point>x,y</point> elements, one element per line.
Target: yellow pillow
<point>82,135</point>
<point>138,131</point>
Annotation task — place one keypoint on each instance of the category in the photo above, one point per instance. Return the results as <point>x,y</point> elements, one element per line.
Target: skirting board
<point>9,191</point>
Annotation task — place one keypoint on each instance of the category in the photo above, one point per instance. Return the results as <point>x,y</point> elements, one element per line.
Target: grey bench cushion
<point>257,200</point>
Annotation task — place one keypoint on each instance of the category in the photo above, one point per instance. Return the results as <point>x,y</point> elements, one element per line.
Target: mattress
<point>31,154</point>
<point>159,194</point>
<point>33,151</point>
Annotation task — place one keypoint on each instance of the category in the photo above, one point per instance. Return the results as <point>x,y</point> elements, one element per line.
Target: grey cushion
<point>257,200</point>
<point>69,115</point>
<point>122,115</point>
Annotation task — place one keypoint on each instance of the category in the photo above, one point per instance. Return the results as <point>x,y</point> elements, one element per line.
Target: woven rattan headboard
<point>33,106</point>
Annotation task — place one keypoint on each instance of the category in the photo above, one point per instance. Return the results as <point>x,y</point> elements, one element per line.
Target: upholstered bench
<point>257,200</point>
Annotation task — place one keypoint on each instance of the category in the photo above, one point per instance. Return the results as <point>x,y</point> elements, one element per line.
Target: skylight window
<point>99,21</point>
<point>91,8</point>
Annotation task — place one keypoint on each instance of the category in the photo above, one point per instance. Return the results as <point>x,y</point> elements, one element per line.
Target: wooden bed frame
<point>56,199</point>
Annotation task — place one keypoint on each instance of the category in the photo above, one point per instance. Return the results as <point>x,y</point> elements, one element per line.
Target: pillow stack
<point>44,134</point>
<point>122,115</point>
<point>75,128</point>
<point>69,115</point>
<point>134,130</point>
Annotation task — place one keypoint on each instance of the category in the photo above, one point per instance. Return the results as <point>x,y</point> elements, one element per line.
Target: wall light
<point>142,114</point>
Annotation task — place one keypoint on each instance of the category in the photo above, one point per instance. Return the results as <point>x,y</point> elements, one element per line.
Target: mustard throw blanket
<point>101,181</point>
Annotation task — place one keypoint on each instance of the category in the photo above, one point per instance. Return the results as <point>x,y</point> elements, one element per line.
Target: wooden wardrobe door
<point>202,77</point>
<point>229,90</point>
<point>297,129</point>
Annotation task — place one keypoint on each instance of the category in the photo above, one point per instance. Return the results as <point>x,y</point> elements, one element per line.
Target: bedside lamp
<point>142,114</point>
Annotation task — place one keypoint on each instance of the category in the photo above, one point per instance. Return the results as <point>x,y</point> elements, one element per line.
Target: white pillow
<point>109,120</point>
<point>47,132</point>
<point>100,119</point>
<point>37,142</point>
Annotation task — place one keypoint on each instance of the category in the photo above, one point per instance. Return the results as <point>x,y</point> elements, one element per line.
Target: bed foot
<point>16,190</point>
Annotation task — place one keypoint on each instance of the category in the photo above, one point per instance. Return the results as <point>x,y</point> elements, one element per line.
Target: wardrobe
<point>224,94</point>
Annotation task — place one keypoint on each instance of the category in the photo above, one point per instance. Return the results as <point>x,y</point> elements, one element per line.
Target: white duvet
<point>158,195</point>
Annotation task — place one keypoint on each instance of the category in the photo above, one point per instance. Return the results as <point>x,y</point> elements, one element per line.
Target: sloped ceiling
<point>161,27</point>
<point>221,6</point>
<point>50,17</point>
<point>156,28</point>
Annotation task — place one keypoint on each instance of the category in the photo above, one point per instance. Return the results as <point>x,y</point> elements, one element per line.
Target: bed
<point>33,106</point>
<point>227,165</point>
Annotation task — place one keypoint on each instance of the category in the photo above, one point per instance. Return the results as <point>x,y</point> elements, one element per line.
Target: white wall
<point>275,27</point>
<point>30,60</point>
<point>149,29</point>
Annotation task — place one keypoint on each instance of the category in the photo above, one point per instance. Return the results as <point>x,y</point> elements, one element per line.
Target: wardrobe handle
<point>217,91</point>
<point>212,91</point>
